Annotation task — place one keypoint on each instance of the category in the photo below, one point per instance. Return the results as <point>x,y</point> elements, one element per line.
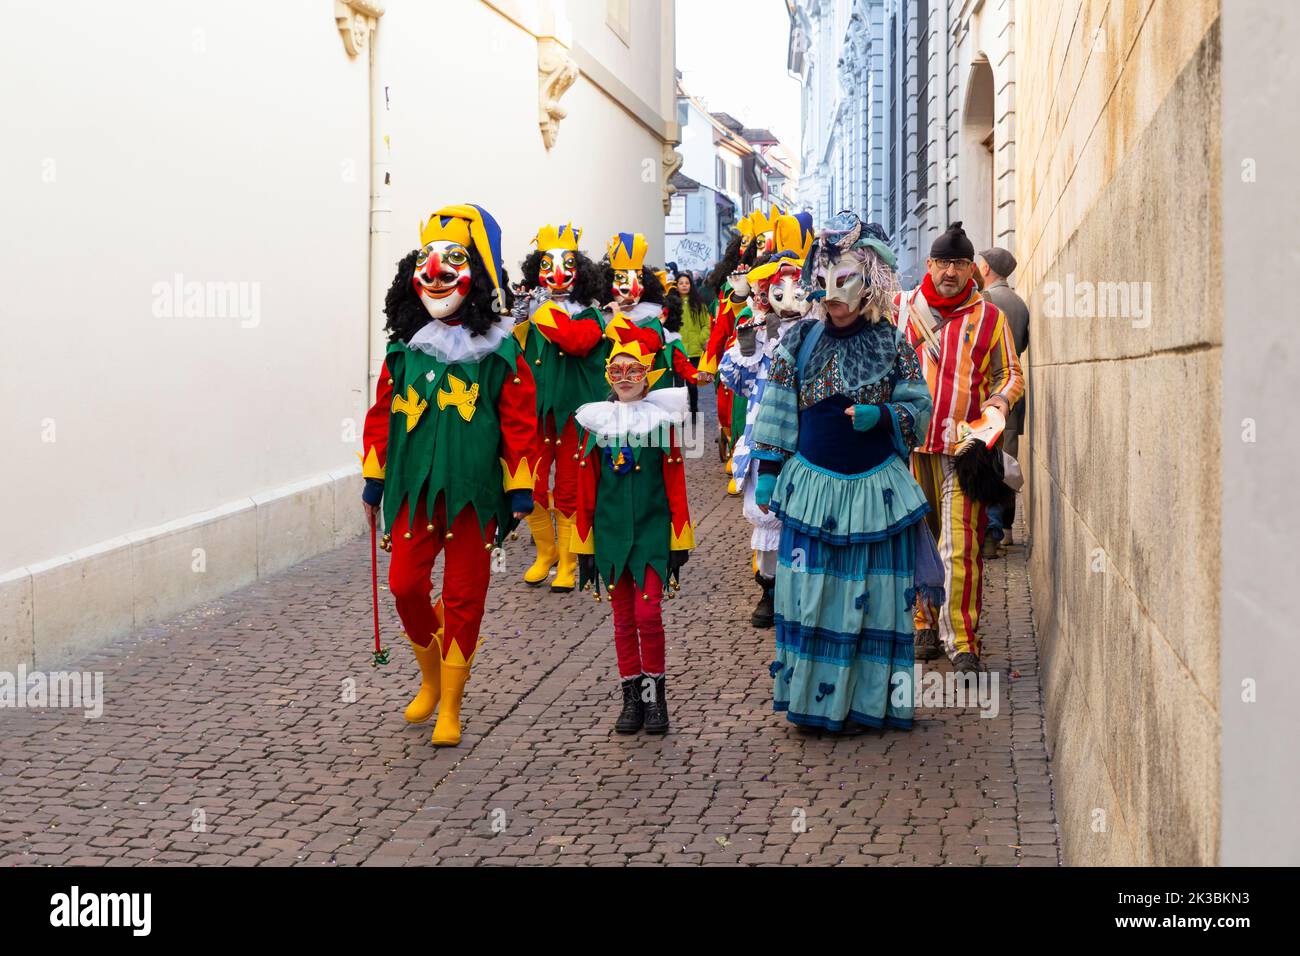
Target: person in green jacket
<point>697,323</point>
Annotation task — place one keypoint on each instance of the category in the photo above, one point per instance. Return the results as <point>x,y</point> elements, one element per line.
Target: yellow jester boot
<point>568,565</point>
<point>455,672</point>
<point>430,660</point>
<point>539,522</point>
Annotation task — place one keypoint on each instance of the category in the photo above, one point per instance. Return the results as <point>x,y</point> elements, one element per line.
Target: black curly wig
<point>652,290</point>
<point>586,284</point>
<point>407,315</point>
<point>673,311</point>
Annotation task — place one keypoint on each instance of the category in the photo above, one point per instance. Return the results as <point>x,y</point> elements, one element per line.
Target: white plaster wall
<point>463,128</point>
<point>223,142</point>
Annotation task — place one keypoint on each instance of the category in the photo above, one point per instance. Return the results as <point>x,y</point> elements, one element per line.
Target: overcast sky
<point>732,56</point>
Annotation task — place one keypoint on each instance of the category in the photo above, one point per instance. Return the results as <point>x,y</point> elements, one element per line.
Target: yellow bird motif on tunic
<point>459,396</point>
<point>411,405</point>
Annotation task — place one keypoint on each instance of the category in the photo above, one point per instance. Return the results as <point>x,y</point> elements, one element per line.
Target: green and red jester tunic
<point>559,347</point>
<point>632,509</point>
<point>464,431</point>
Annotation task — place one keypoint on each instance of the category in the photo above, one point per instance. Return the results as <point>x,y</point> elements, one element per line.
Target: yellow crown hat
<point>627,250</point>
<point>565,237</point>
<point>761,222</point>
<point>634,348</point>
<point>746,230</point>
<point>664,278</point>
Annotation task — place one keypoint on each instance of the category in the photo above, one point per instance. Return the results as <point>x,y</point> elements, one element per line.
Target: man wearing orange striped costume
<point>969,360</point>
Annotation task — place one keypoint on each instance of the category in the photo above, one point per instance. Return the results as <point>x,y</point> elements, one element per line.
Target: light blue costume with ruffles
<point>855,547</point>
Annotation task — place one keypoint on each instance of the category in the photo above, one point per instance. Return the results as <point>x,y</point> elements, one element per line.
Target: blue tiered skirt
<point>847,575</point>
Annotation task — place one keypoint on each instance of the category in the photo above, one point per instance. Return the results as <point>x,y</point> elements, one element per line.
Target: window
<point>675,221</point>
<point>922,101</point>
<point>683,112</point>
<point>892,172</point>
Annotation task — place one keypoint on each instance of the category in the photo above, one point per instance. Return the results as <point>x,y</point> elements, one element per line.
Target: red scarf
<point>937,302</point>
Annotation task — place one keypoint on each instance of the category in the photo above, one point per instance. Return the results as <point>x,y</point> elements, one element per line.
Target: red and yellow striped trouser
<point>958,524</point>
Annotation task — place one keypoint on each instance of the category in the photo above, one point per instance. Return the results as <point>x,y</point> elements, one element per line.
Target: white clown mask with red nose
<point>442,277</point>
<point>786,297</point>
<point>558,270</point>
<point>627,287</point>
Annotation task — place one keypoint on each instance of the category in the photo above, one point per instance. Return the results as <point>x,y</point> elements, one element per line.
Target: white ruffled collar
<point>642,312</point>
<point>746,361</point>
<point>455,343</point>
<point>614,420</point>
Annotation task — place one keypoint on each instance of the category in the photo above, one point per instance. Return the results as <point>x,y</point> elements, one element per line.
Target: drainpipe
<point>381,263</point>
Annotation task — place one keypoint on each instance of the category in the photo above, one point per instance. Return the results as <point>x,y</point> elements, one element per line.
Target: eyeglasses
<point>946,264</point>
<point>626,372</point>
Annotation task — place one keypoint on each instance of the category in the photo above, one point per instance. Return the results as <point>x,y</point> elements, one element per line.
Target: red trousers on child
<point>558,449</point>
<point>638,625</point>
<point>466,573</point>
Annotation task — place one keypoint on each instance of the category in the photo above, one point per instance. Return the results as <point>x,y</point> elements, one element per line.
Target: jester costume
<point>558,329</point>
<point>968,356</point>
<point>637,307</point>
<point>755,241</point>
<point>776,302</point>
<point>843,406</point>
<point>633,528</point>
<point>448,446</point>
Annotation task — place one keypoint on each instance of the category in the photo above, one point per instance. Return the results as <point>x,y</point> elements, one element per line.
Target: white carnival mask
<point>442,277</point>
<point>844,281</point>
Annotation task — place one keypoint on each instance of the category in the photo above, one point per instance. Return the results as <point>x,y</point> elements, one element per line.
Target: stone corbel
<point>356,20</point>
<point>556,72</point>
<point>672,163</point>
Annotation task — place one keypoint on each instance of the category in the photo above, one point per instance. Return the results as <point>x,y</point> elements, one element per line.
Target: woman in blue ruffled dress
<point>844,405</point>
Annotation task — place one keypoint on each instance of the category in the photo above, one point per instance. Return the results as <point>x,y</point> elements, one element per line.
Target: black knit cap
<point>953,244</point>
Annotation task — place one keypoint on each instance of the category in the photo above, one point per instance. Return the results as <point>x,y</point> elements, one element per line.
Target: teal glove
<point>763,488</point>
<point>865,417</point>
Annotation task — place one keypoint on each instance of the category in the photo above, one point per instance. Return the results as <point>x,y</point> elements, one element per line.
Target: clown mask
<point>758,296</point>
<point>627,287</point>
<point>558,270</point>
<point>786,297</point>
<point>442,277</point>
<point>843,281</point>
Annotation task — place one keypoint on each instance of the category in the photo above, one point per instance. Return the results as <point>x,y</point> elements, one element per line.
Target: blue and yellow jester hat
<point>793,238</point>
<point>468,225</point>
<point>627,250</point>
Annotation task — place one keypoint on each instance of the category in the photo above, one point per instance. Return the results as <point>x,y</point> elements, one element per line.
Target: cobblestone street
<point>227,739</point>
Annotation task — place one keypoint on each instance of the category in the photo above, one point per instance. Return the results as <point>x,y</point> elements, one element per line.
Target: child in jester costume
<point>637,307</point>
<point>777,301</point>
<point>558,327</point>
<point>633,527</point>
<point>448,445</point>
<point>733,294</point>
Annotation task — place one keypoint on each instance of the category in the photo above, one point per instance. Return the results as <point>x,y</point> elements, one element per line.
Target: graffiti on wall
<point>692,254</point>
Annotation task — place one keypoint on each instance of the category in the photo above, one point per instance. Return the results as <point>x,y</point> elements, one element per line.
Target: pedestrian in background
<point>696,325</point>
<point>996,266</point>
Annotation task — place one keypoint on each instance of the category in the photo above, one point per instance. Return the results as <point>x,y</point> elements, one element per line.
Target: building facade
<point>248,175</point>
<point>909,117</point>
<point>728,170</point>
